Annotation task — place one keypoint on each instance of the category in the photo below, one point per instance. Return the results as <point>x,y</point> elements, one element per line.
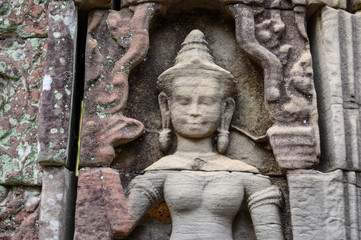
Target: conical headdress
<point>195,60</point>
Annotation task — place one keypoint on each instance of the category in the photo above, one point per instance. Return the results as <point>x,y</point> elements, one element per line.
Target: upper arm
<point>145,192</point>
<point>260,191</point>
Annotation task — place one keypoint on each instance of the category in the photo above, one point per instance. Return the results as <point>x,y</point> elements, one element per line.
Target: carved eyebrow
<point>207,98</point>
<point>181,98</point>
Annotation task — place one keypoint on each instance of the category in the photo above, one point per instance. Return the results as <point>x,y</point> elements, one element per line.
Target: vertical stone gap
<point>78,88</point>
<point>78,92</point>
<point>116,5</point>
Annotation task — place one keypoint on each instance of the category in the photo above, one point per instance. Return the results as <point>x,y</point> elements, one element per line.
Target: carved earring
<point>222,141</point>
<point>165,134</point>
<point>164,139</point>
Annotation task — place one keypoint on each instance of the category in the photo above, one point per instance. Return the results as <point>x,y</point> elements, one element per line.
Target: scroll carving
<point>289,90</point>
<point>104,125</point>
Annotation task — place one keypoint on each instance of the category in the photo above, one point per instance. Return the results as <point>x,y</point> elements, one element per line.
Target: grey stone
<point>203,189</point>
<point>342,4</point>
<point>324,205</point>
<point>289,93</point>
<point>336,57</point>
<point>57,204</point>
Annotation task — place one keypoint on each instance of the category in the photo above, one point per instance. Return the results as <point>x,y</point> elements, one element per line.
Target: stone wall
<point>42,61</point>
<point>23,49</point>
<point>37,51</point>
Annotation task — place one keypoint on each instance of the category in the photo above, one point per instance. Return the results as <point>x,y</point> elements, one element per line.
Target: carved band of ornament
<point>146,188</point>
<point>153,195</point>
<point>269,196</point>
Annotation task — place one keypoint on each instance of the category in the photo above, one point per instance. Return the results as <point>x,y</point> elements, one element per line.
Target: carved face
<point>195,107</point>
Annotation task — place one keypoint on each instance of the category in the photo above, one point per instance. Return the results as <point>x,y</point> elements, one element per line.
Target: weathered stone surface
<point>57,204</point>
<point>23,18</point>
<point>122,44</point>
<point>325,205</point>
<point>354,6</point>
<point>203,189</point>
<point>353,212</point>
<point>101,207</point>
<point>293,147</point>
<point>213,4</point>
<point>21,70</point>
<point>342,4</point>
<point>56,97</point>
<point>251,120</point>
<point>283,53</point>
<point>93,4</point>
<point>19,213</point>
<point>278,40</point>
<point>336,55</point>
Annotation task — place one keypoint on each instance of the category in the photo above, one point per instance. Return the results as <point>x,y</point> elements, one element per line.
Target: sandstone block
<point>23,18</point>
<point>57,204</point>
<point>56,98</point>
<point>92,4</point>
<point>95,201</point>
<point>336,56</point>
<point>324,205</point>
<point>21,70</point>
<point>19,213</point>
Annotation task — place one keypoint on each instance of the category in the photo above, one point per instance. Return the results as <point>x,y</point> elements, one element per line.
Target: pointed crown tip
<point>194,36</point>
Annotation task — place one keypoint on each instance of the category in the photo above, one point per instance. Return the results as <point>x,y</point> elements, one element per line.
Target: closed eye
<point>182,100</point>
<point>206,100</point>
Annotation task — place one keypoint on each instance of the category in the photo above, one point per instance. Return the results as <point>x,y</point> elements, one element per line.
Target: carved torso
<point>201,201</point>
<point>202,204</point>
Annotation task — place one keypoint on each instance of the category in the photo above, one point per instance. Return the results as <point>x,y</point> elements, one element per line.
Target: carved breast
<point>216,193</point>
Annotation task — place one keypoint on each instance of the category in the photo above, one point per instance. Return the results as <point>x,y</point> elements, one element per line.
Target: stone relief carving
<point>289,92</point>
<point>264,33</point>
<point>260,32</point>
<point>203,189</point>
<point>107,83</point>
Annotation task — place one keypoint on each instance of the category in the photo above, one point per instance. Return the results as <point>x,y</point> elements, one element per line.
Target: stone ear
<point>165,133</point>
<point>226,118</point>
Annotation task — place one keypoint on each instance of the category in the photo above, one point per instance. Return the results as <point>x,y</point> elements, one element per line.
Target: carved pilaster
<point>283,52</point>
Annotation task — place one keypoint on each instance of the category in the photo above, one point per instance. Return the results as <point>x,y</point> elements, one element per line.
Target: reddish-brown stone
<point>124,44</point>
<point>21,72</point>
<point>57,84</point>
<point>93,4</point>
<point>24,18</point>
<point>90,217</point>
<point>19,214</point>
<point>102,211</point>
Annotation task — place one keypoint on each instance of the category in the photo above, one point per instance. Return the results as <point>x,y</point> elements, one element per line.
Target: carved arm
<point>144,192</point>
<point>264,201</point>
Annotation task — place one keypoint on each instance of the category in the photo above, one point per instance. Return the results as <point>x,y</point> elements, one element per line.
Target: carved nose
<point>194,111</point>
